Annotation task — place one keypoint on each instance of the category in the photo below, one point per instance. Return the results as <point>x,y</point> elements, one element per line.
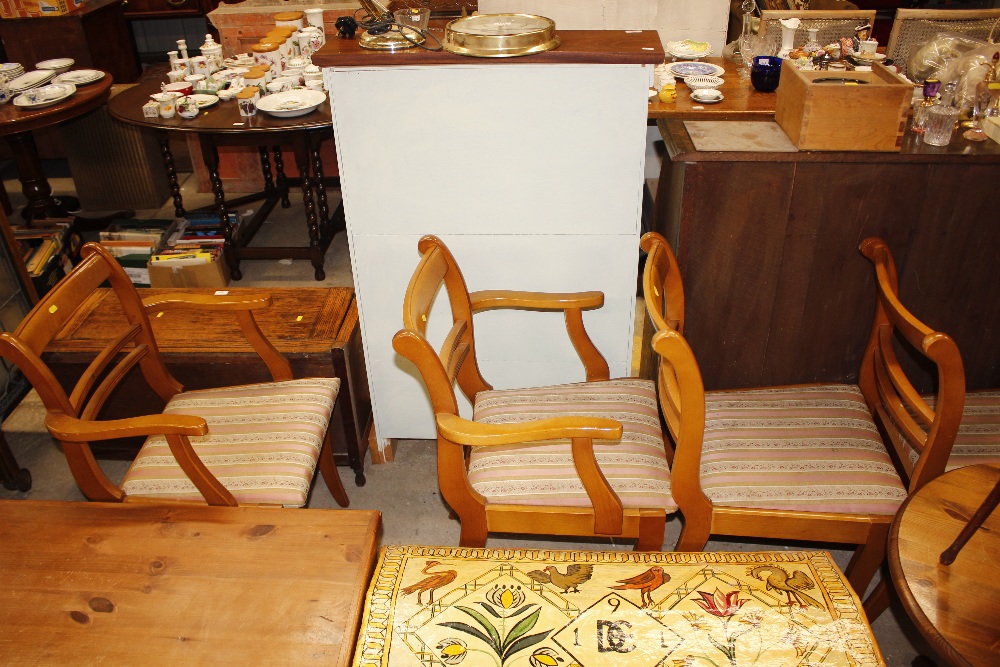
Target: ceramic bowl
<point>58,65</point>
<point>182,87</point>
<point>703,82</point>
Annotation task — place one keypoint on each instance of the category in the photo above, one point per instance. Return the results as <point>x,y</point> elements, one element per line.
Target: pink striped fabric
<point>543,474</point>
<point>807,448</point>
<point>263,443</point>
<point>978,439</point>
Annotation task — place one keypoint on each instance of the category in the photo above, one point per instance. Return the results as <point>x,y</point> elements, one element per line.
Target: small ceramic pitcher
<point>5,93</point>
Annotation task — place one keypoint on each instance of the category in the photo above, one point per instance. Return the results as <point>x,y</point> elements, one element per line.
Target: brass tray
<point>500,35</point>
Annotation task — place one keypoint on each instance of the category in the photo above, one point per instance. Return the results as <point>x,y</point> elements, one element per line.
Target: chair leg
<point>878,601</point>
<point>693,536</point>
<point>868,558</point>
<point>473,531</point>
<point>329,470</point>
<point>651,527</point>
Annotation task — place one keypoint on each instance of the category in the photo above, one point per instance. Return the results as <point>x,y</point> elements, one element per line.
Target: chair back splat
<point>922,430</point>
<point>254,444</point>
<point>543,460</point>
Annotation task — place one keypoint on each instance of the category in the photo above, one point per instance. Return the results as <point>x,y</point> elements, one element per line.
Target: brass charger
<point>500,35</point>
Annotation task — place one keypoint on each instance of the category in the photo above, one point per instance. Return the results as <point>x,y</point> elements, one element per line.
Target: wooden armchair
<point>790,463</point>
<point>928,434</point>
<point>253,444</point>
<point>583,459</point>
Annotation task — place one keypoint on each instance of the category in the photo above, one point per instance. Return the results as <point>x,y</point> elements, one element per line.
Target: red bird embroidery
<point>645,583</point>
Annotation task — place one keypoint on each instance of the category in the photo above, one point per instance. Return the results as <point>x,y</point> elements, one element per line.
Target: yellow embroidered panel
<point>532,608</point>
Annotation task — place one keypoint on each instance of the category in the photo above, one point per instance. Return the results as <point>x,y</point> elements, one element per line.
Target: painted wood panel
<point>529,188</point>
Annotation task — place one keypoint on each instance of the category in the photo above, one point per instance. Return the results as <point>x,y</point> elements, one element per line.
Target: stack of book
<point>133,238</point>
<point>132,242</point>
<point>38,247</point>
<point>199,241</point>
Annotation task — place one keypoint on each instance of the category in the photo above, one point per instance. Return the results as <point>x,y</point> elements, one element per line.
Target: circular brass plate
<point>500,35</point>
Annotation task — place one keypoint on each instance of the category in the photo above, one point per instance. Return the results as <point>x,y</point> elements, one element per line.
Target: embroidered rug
<point>510,607</point>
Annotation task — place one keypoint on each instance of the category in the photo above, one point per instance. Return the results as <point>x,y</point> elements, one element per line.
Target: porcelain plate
<point>79,77</point>
<point>291,103</point>
<point>695,69</point>
<point>30,80</point>
<point>44,96</point>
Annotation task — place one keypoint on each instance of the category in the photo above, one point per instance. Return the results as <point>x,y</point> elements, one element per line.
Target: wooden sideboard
<point>777,292</point>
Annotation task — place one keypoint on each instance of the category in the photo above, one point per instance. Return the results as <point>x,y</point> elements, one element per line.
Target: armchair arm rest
<point>608,512</point>
<point>465,432</point>
<point>571,303</point>
<point>488,299</point>
<point>175,428</point>
<point>71,429</point>
<point>242,306</point>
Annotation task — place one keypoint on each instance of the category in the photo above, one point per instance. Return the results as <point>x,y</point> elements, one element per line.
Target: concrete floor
<point>406,490</point>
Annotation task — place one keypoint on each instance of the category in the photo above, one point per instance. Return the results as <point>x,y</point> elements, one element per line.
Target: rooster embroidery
<point>792,585</point>
<point>569,582</point>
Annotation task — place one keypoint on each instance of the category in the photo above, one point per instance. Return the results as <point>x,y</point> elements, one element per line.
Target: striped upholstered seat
<point>635,466</point>
<point>978,439</point>
<point>809,448</point>
<point>263,444</point>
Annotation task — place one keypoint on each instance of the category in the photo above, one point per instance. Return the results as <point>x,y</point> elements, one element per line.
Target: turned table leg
<point>279,165</point>
<point>211,156</point>
<point>34,183</point>
<point>301,143</point>
<point>168,164</point>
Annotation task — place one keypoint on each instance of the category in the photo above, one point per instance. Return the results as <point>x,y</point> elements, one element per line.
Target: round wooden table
<point>16,126</point>
<point>954,606</point>
<point>222,125</point>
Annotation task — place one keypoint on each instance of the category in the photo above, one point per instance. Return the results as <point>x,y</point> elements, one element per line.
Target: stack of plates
<point>31,80</point>
<point>686,69</point>
<point>80,77</point>
<point>11,70</point>
<point>688,49</point>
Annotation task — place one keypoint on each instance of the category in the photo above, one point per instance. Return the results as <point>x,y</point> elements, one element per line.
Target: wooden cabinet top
<point>585,47</point>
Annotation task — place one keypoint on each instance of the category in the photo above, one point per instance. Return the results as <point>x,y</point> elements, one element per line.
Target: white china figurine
<point>212,51</point>
<point>788,28</point>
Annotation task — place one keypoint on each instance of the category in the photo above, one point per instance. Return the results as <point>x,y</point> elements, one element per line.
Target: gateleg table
<point>222,125</point>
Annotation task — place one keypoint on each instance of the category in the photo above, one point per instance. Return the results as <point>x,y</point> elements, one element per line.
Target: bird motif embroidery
<point>792,586</point>
<point>645,583</point>
<point>430,583</point>
<point>569,582</point>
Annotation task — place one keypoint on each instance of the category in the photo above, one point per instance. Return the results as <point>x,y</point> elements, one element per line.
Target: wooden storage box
<point>315,327</point>
<point>839,117</point>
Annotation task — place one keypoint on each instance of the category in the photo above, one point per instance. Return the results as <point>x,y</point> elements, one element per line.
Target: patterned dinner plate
<point>695,69</point>
<point>80,77</point>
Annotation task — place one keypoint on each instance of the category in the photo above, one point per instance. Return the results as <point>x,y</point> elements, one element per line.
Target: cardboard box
<point>836,117</point>
<point>991,126</point>
<point>137,268</point>
<point>22,9</point>
<point>214,274</point>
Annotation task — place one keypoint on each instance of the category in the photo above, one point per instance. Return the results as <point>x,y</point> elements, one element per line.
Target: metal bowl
<point>500,35</point>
